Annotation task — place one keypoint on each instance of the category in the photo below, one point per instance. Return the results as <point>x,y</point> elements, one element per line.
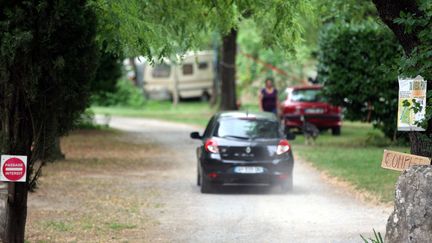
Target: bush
<point>86,121</point>
<point>376,140</point>
<point>125,94</point>
<point>109,71</point>
<point>358,66</point>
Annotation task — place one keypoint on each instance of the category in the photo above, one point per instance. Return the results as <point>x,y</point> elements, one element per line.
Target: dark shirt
<point>269,100</point>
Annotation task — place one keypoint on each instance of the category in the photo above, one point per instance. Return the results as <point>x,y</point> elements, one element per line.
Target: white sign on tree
<point>412,104</point>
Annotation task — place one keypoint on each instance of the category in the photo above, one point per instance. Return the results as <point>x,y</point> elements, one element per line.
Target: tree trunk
<point>228,74</point>
<point>51,149</point>
<point>389,10</point>
<point>420,144</point>
<point>175,90</point>
<point>17,138</point>
<point>409,221</point>
<point>216,80</point>
<point>56,153</point>
<point>16,212</point>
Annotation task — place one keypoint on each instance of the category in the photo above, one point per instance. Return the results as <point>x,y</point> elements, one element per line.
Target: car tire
<point>323,130</point>
<point>198,178</point>
<point>206,186</point>
<point>336,131</point>
<point>287,186</point>
<point>205,97</point>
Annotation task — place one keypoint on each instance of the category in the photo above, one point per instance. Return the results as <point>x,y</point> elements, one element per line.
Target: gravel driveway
<point>314,212</point>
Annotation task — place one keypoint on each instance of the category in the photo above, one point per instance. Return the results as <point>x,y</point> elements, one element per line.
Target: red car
<point>305,103</point>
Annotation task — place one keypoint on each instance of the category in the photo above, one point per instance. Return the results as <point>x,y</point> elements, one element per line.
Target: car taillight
<point>211,146</point>
<point>335,109</point>
<point>282,147</point>
<point>289,109</point>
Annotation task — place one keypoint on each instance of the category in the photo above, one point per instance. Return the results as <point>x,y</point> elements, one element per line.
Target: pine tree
<point>48,55</point>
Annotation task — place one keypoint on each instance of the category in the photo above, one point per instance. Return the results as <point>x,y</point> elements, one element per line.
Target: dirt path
<point>314,212</point>
<point>159,202</point>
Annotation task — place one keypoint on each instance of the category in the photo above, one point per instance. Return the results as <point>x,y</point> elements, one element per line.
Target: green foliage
<point>418,62</point>
<point>87,121</point>
<point>378,238</point>
<point>250,62</point>
<point>125,94</point>
<point>150,28</point>
<point>108,72</point>
<point>332,11</point>
<point>346,11</point>
<point>256,61</point>
<point>377,140</point>
<point>162,28</point>
<point>298,66</point>
<point>48,55</point>
<point>358,66</point>
<point>107,89</point>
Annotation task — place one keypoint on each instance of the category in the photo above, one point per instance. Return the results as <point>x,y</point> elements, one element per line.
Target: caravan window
<point>162,70</point>
<point>202,65</point>
<point>187,69</point>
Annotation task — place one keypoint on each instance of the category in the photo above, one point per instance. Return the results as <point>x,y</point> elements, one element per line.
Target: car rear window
<point>247,128</point>
<point>306,95</point>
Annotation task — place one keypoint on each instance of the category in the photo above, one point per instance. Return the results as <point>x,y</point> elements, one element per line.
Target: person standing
<point>268,97</point>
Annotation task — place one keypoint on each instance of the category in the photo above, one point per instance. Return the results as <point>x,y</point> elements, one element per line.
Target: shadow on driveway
<point>253,190</point>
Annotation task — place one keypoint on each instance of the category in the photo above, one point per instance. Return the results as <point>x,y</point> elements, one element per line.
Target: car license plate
<point>314,111</point>
<point>248,169</point>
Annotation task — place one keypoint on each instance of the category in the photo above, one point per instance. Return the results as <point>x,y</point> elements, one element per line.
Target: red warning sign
<point>13,168</point>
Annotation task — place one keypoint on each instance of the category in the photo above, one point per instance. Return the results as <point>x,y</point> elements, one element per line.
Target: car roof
<point>299,87</point>
<point>247,114</point>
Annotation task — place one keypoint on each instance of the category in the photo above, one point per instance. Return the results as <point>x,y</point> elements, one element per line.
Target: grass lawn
<point>197,113</point>
<point>354,157</point>
<point>191,112</point>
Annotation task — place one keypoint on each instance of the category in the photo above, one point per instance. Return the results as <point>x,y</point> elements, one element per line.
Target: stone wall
<point>411,220</point>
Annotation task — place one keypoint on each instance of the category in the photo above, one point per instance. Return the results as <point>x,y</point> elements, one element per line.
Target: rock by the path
<point>411,220</point>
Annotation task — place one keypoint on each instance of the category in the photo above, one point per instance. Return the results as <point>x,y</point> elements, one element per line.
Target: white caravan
<point>193,77</point>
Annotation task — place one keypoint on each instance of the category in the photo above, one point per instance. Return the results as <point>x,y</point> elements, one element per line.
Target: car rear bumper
<point>252,179</point>
<point>321,120</point>
<point>223,172</point>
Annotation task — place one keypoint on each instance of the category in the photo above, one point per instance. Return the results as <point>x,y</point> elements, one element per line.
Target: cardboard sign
<point>411,91</point>
<point>401,161</point>
<point>13,168</point>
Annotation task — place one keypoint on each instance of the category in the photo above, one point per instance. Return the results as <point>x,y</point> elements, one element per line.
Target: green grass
<point>355,157</point>
<point>59,226</point>
<point>190,112</point>
<point>120,226</point>
<point>197,113</point>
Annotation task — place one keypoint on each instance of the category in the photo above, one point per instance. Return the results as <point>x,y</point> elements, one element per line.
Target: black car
<point>244,148</point>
